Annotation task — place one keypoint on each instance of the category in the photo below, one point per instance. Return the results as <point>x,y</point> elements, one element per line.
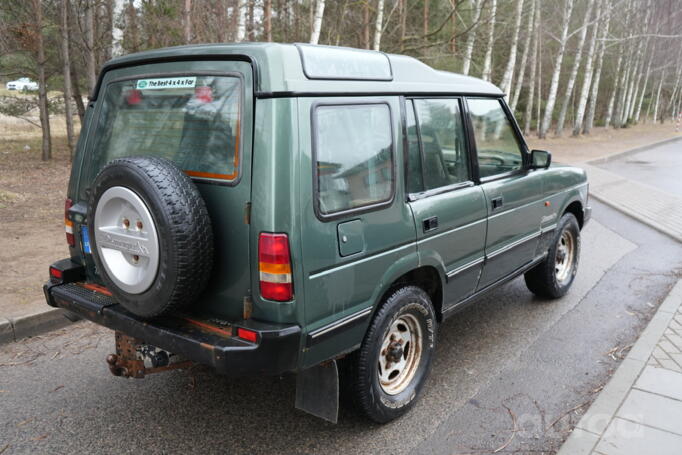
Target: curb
<point>641,148</point>
<point>32,324</point>
<point>591,427</point>
<point>638,216</point>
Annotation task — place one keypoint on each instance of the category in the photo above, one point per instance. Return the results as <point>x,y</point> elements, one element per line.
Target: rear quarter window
<point>193,121</point>
<point>353,157</point>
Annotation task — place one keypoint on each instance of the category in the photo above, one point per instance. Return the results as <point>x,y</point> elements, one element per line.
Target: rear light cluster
<point>274,265</point>
<point>68,224</point>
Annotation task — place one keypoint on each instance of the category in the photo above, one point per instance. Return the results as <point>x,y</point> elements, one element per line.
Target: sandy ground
<point>32,196</point>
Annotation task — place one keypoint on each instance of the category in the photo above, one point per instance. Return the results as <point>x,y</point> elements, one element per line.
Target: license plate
<point>85,239</point>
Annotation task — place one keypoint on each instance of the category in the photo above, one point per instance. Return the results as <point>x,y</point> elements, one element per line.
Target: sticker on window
<point>166,82</point>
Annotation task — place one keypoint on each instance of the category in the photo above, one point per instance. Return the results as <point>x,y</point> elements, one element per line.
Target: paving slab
<point>629,438</point>
<point>661,381</point>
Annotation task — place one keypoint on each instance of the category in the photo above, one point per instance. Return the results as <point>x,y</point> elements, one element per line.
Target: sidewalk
<point>639,411</point>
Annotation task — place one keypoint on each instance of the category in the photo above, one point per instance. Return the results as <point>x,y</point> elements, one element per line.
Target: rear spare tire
<point>150,235</point>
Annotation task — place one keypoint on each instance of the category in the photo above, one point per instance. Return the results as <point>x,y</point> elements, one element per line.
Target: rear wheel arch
<point>427,278</point>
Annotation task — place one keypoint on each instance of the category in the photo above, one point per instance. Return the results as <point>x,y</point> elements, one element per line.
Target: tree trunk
<point>317,22</point>
<point>524,58</point>
<point>426,17</point>
<point>90,45</point>
<point>646,85</point>
<point>506,83</point>
<point>378,24</point>
<point>42,81</point>
<point>365,25</point>
<point>267,20</point>
<point>612,98</point>
<point>187,21</point>
<point>67,76</point>
<point>658,96</point>
<point>587,78</point>
<point>554,84</point>
<point>488,60</point>
<point>240,13</point>
<point>250,20</point>
<point>118,18</point>
<point>528,117</point>
<point>574,71</point>
<point>403,23</point>
<point>471,37</point>
<point>132,26</point>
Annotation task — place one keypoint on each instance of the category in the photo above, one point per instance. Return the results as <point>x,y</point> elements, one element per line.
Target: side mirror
<point>540,159</point>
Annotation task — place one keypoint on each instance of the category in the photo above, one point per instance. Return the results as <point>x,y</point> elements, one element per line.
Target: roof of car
<point>281,69</point>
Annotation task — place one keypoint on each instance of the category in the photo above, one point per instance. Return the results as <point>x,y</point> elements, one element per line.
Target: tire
<point>409,306</point>
<point>553,277</point>
<point>161,261</point>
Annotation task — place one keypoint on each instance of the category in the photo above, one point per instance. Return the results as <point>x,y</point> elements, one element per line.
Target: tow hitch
<point>134,359</point>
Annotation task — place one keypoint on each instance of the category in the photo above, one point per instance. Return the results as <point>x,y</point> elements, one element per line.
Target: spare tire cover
<point>150,234</point>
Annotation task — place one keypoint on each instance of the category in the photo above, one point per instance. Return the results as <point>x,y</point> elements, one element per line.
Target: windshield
<point>191,120</point>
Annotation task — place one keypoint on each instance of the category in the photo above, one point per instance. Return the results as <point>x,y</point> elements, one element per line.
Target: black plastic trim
<point>276,351</point>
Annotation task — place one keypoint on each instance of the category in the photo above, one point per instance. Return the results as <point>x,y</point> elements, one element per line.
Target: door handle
<point>497,202</point>
<point>430,224</point>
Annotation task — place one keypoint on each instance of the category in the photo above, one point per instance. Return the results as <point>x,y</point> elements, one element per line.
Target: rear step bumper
<point>274,352</point>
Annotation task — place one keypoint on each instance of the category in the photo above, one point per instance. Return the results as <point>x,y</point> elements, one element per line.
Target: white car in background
<point>22,83</point>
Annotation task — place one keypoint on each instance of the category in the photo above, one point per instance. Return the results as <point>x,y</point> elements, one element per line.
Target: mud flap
<point>317,391</point>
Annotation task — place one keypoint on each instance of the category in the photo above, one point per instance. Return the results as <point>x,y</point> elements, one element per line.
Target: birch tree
<point>67,75</point>
<point>658,96</point>
<point>528,117</point>
<point>524,58</point>
<point>646,84</point>
<point>574,70</point>
<point>317,22</point>
<point>42,81</point>
<point>471,37</point>
<point>90,56</point>
<point>117,27</point>
<point>588,73</point>
<point>505,85</point>
<point>187,21</point>
<point>240,16</point>
<point>487,61</point>
<point>378,24</point>
<point>556,73</point>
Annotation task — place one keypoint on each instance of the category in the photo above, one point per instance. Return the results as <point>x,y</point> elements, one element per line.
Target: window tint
<point>191,120</point>
<point>354,156</point>
<point>415,183</point>
<point>443,143</point>
<point>496,144</point>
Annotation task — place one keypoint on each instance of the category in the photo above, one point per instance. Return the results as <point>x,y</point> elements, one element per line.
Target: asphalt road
<point>509,362</point>
<point>658,166</point>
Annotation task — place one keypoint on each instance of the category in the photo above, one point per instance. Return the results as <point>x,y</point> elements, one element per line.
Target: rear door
<point>355,224</point>
<point>192,113</point>
<point>449,210</point>
<point>512,193</point>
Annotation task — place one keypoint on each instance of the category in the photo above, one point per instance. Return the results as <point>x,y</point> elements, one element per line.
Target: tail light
<point>274,265</point>
<point>68,224</point>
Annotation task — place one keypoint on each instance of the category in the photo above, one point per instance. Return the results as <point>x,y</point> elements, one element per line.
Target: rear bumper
<point>274,352</point>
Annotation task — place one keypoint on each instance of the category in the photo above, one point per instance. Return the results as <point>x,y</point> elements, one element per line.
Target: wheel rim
<point>400,355</point>
<point>126,238</point>
<point>565,254</point>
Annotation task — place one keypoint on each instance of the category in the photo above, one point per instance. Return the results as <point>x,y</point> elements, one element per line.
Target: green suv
<point>270,208</point>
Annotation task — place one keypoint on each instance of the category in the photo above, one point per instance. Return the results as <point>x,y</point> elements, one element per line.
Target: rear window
<point>191,120</point>
<point>354,157</point>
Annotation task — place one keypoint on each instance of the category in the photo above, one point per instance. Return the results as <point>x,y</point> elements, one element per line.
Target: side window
<point>415,181</point>
<point>443,142</point>
<point>496,144</point>
<point>353,156</point>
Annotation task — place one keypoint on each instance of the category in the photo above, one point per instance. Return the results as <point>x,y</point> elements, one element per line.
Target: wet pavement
<point>659,166</point>
<point>509,362</point>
